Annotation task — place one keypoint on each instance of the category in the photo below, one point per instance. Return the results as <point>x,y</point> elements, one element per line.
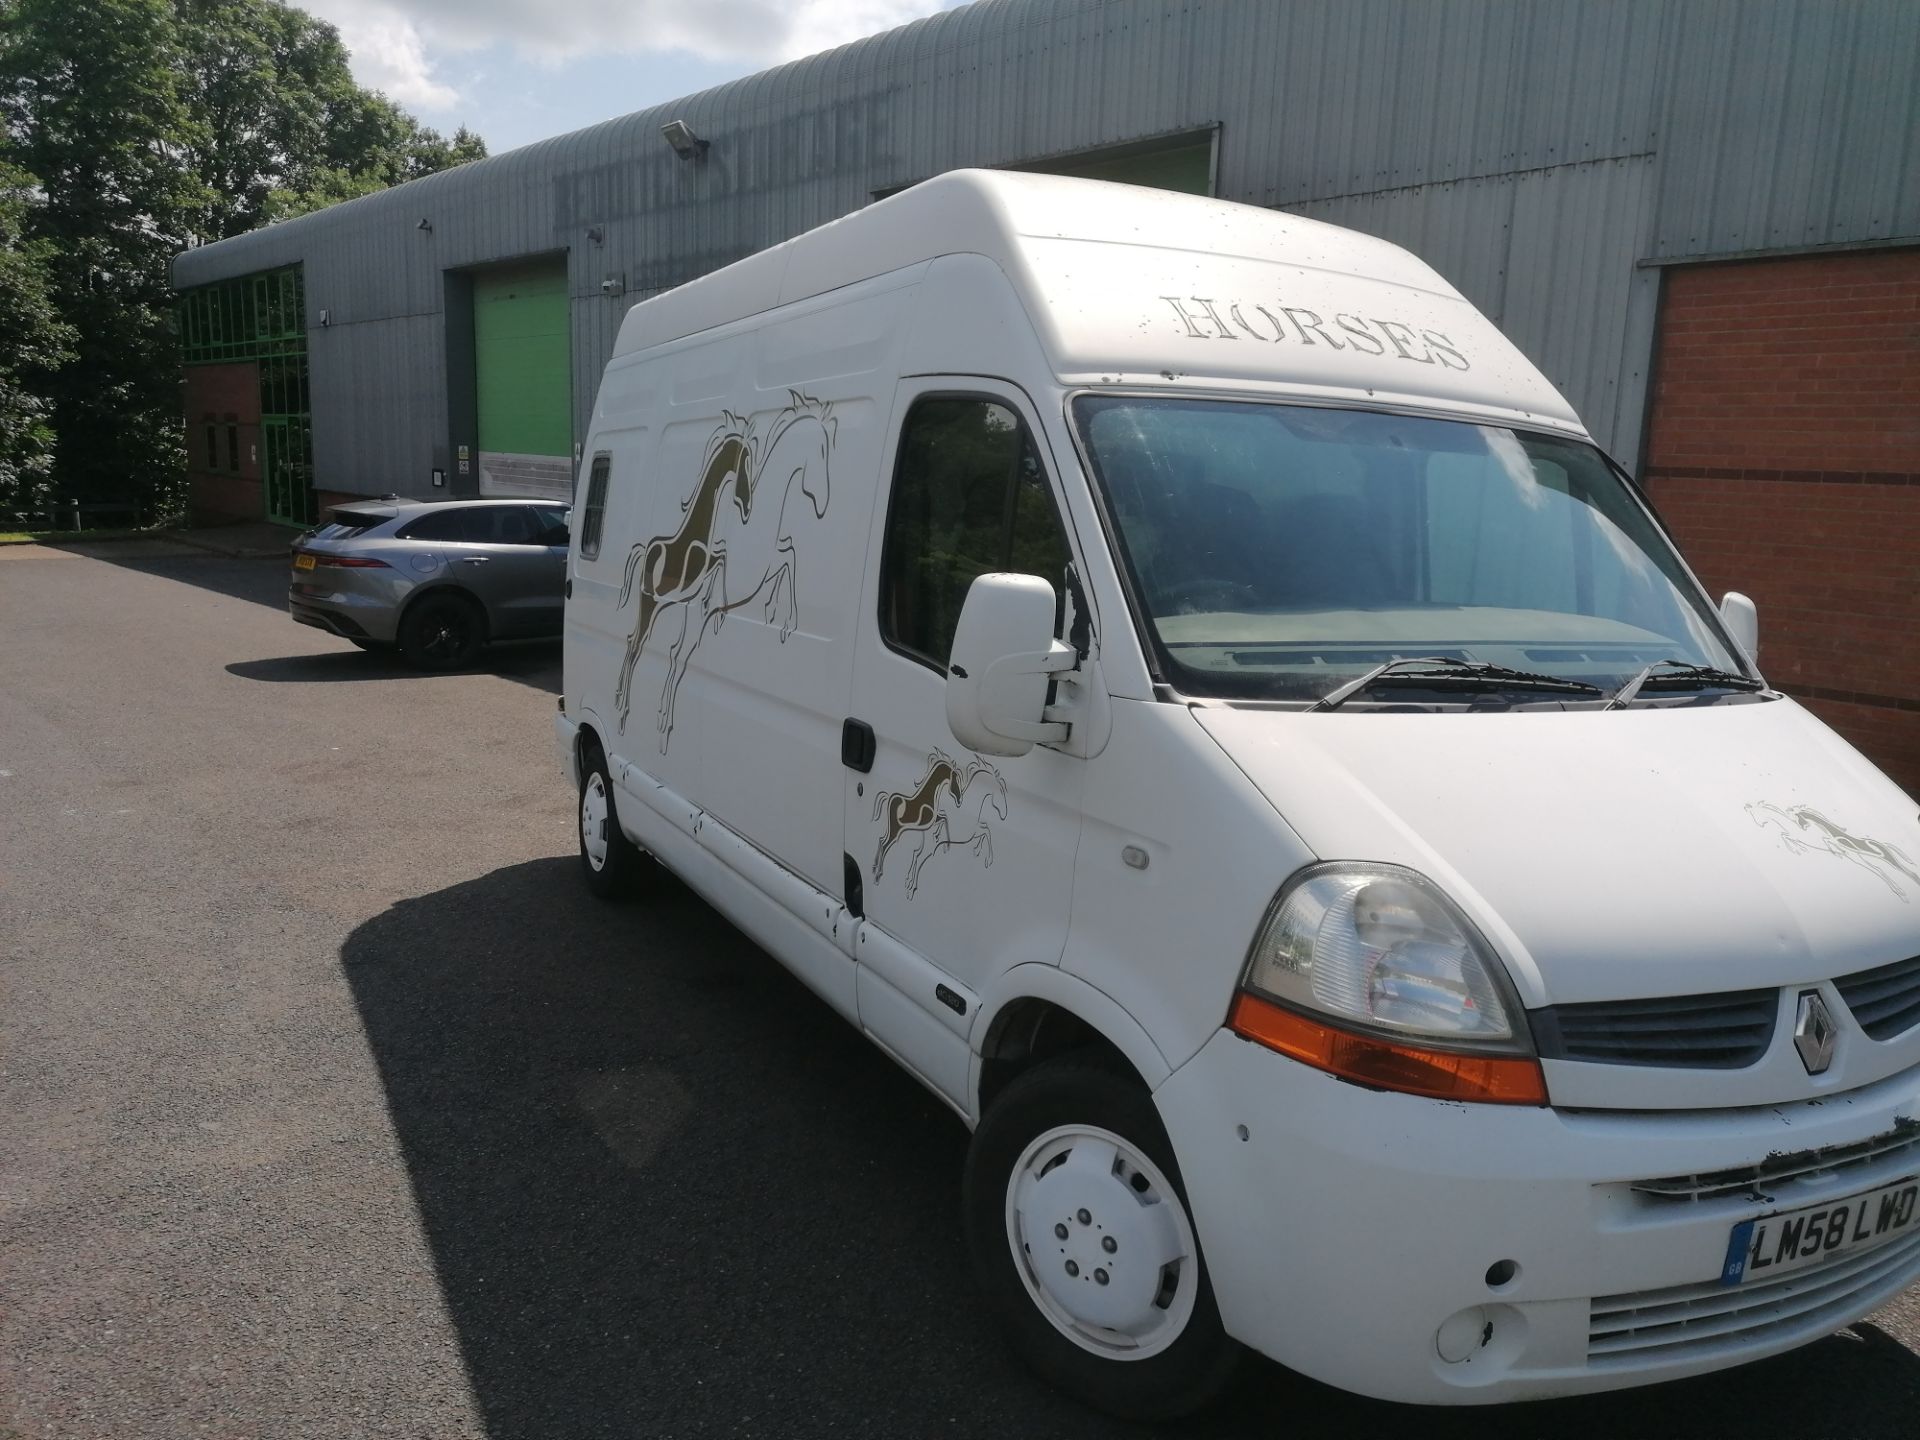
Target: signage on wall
<point>439,477</point>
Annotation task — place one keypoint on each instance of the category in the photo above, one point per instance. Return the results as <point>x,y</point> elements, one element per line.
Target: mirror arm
<point>1058,659</point>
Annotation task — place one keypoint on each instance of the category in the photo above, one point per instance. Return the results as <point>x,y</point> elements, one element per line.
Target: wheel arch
<point>1038,1011</point>
<point>586,740</point>
<point>446,590</point>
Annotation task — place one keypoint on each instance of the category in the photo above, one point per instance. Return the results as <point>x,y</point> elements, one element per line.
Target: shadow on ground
<point>263,580</point>
<point>531,662</point>
<point>669,1192</point>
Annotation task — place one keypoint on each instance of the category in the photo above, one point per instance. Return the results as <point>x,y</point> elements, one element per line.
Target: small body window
<point>970,497</point>
<point>595,517</point>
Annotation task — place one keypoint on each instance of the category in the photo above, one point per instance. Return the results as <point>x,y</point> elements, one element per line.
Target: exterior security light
<point>425,224</point>
<point>685,143</point>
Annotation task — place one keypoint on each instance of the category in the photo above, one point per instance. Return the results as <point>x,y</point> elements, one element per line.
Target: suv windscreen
<point>1279,551</point>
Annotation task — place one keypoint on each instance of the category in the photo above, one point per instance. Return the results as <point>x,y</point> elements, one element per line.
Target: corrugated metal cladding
<point>1536,153</point>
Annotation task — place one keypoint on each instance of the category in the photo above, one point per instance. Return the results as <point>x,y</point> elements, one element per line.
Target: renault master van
<point>1183,684</point>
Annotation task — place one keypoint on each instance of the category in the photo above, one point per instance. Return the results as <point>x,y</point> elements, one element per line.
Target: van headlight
<point>1370,972</point>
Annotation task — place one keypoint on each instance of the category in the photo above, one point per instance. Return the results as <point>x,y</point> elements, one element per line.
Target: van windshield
<point>1279,551</point>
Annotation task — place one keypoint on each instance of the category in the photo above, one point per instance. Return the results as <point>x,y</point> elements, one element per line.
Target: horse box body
<point>796,470</point>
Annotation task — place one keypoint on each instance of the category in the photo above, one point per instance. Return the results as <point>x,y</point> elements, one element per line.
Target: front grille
<point>1702,1032</point>
<point>1754,1181</point>
<point>1689,1321</point>
<point>1885,1001</point>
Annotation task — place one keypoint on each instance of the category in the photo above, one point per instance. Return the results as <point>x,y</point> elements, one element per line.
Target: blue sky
<point>521,70</point>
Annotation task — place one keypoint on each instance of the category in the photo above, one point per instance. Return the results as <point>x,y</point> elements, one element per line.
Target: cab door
<point>962,864</point>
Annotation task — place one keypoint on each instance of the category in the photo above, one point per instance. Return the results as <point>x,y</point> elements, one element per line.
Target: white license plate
<point>1773,1244</point>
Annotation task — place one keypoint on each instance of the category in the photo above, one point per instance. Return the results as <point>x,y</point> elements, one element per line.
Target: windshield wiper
<point>1681,675</point>
<point>1440,672</point>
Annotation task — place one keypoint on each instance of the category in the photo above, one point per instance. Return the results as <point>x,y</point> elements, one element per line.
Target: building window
<point>213,447</point>
<point>233,447</point>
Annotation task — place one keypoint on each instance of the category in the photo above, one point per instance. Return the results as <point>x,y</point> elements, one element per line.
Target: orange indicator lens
<point>1388,1064</point>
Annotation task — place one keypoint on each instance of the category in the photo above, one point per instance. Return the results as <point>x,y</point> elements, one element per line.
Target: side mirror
<point>1743,620</point>
<point>1004,653</point>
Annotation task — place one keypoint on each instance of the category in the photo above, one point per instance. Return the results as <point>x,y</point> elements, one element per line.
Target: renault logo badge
<point>1813,1033</point>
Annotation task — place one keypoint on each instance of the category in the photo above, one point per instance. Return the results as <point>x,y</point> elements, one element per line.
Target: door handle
<point>857,745</point>
<point>476,559</point>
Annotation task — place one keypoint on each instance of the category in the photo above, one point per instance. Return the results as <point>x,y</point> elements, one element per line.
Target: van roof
<point>1127,284</point>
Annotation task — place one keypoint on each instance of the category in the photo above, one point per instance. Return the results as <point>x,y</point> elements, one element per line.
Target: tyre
<point>1082,1239</point>
<point>614,866</point>
<point>442,632</point>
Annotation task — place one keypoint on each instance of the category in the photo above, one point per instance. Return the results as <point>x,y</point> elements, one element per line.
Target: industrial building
<point>1701,219</point>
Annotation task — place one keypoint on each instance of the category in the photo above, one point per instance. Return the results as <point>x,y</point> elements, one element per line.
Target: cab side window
<point>969,497</point>
<point>593,517</point>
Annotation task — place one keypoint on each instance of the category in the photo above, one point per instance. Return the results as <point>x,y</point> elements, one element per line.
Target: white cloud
<point>389,52</point>
<point>393,40</point>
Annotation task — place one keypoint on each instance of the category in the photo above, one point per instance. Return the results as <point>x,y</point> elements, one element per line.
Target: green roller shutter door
<point>1187,168</point>
<point>522,364</point>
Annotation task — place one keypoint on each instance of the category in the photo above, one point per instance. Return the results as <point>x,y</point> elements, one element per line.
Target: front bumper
<point>1351,1234</point>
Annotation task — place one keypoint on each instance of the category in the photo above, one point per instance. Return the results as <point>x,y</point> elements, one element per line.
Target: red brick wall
<point>223,395</point>
<point>217,499</point>
<point>1784,451</point>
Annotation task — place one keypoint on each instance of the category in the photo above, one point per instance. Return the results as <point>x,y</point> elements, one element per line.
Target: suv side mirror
<point>1743,620</point>
<point>1004,654</point>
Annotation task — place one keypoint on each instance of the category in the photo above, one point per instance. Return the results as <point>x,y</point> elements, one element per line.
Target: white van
<point>1187,688</point>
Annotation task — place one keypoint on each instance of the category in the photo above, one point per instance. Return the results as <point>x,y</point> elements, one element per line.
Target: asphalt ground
<point>331,1105</point>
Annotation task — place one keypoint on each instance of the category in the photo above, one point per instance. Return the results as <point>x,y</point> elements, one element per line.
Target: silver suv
<point>438,580</point>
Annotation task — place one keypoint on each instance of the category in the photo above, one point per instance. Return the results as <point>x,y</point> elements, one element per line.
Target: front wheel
<point>1082,1239</point>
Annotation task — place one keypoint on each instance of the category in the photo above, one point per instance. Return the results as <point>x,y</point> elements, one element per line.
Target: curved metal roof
<point>784,89</point>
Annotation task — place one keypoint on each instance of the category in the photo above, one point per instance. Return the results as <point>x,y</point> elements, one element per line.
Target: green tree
<point>90,95</point>
<point>149,126</point>
<point>285,128</point>
<point>33,346</point>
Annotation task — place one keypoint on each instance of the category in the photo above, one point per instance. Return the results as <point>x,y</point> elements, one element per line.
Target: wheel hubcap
<point>449,638</point>
<point>593,821</point>
<point>1102,1242</point>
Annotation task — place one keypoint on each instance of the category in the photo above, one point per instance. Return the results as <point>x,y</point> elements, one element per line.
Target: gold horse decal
<point>731,547</point>
<point>932,809</point>
<point>1803,828</point>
